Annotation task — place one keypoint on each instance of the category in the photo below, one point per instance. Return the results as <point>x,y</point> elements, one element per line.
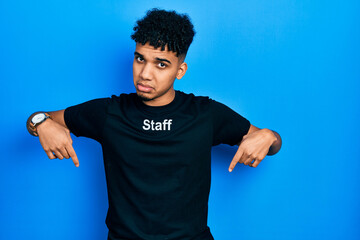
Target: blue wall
<point>292,66</point>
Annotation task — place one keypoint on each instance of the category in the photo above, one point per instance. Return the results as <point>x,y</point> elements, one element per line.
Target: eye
<point>139,59</point>
<point>161,65</point>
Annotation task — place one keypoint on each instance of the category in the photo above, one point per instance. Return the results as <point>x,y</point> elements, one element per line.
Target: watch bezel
<point>36,121</point>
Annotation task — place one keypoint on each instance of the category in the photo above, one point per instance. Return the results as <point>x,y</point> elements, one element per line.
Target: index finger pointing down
<point>236,159</point>
<point>72,154</point>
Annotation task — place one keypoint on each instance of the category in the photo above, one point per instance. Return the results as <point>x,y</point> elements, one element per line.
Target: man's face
<point>154,73</point>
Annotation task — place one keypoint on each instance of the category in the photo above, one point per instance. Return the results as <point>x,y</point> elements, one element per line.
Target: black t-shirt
<point>157,160</point>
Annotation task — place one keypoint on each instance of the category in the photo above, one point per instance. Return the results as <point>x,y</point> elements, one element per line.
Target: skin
<point>156,70</point>
<point>255,145</point>
<point>154,74</point>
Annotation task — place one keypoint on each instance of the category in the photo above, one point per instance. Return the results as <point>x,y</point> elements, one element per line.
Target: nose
<point>146,72</point>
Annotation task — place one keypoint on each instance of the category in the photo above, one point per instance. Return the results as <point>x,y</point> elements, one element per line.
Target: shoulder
<point>209,102</point>
<point>204,103</point>
<point>123,97</point>
<point>90,104</point>
<point>190,97</point>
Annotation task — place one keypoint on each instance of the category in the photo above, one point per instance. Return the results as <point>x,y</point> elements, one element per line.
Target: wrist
<point>42,126</point>
<point>270,134</point>
<point>35,120</point>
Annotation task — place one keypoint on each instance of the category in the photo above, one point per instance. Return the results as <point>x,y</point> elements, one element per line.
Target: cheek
<point>166,78</point>
<point>171,74</point>
<point>133,66</point>
<point>136,70</point>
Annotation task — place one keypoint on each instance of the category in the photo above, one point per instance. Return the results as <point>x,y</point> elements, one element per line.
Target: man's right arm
<point>54,136</point>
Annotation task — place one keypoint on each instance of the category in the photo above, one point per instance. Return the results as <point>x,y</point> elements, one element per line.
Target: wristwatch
<point>39,118</point>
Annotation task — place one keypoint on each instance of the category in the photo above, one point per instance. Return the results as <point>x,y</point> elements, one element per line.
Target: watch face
<point>38,118</point>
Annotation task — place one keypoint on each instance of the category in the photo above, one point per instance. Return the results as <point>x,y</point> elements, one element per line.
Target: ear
<point>182,70</point>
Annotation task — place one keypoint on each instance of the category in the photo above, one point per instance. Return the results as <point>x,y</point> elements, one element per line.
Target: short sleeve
<point>87,119</point>
<point>229,127</point>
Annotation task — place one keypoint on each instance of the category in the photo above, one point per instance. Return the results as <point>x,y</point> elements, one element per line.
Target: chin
<point>143,97</point>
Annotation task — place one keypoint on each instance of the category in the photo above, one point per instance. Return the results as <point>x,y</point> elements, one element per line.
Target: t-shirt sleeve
<point>87,119</point>
<point>229,127</point>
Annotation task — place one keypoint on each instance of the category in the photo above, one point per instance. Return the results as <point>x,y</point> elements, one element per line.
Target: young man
<point>156,142</point>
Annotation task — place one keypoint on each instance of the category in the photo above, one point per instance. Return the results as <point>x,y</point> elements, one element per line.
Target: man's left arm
<point>255,145</point>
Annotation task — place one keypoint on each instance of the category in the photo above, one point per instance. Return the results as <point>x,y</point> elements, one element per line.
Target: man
<point>156,142</point>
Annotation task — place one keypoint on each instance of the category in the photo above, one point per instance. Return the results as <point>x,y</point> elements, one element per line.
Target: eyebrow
<point>163,60</point>
<point>158,59</point>
<point>138,54</point>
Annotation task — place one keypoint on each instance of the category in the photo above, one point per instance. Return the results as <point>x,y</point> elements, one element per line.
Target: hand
<point>56,141</point>
<point>253,147</point>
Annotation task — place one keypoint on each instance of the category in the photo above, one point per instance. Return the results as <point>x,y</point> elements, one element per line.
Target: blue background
<point>291,66</point>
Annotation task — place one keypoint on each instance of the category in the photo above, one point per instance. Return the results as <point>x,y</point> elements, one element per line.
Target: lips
<point>144,88</point>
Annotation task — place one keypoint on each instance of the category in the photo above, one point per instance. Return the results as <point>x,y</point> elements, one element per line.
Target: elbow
<point>276,146</point>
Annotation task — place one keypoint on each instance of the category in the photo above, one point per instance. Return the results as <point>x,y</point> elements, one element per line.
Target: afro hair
<point>162,28</point>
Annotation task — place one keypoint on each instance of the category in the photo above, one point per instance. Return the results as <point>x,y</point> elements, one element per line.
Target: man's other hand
<point>56,141</point>
<point>253,148</point>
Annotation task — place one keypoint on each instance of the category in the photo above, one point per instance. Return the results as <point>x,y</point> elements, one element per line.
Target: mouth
<point>144,88</point>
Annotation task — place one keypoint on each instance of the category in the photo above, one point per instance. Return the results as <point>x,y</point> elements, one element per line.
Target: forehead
<point>150,52</point>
